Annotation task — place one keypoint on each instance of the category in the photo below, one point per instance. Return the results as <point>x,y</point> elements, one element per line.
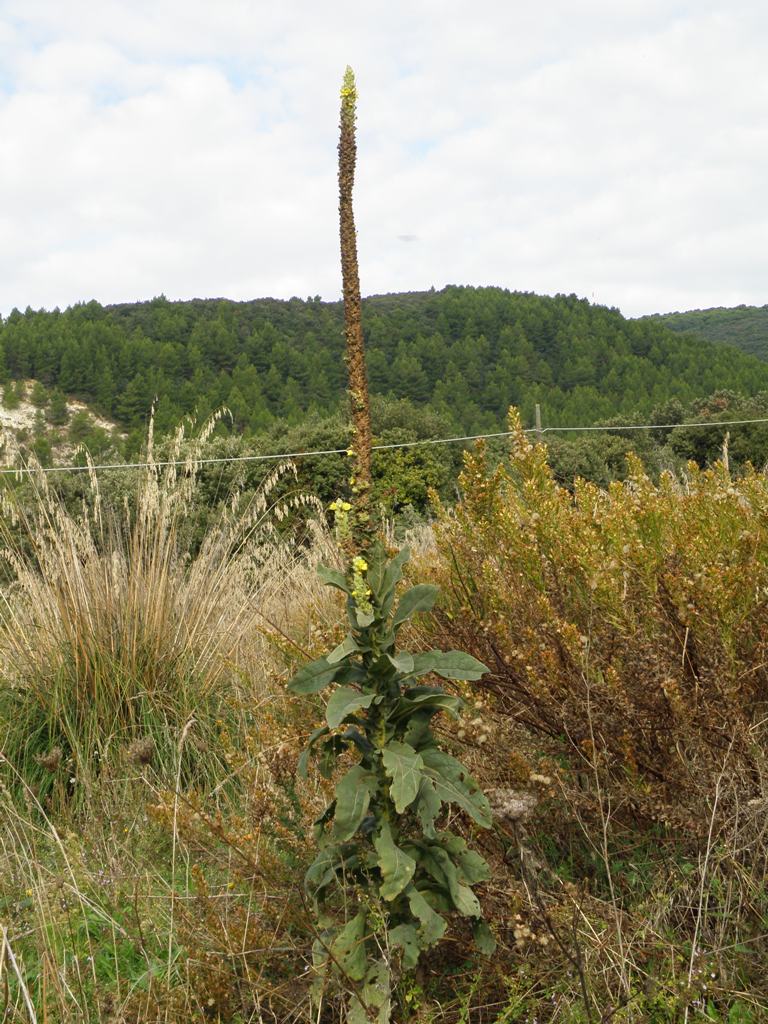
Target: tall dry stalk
<point>363,530</point>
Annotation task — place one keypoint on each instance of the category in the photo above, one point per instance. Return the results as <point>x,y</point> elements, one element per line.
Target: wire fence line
<point>162,463</point>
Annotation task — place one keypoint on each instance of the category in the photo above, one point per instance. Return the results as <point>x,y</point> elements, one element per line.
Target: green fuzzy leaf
<point>442,869</point>
<point>357,1014</point>
<point>418,732</point>
<point>406,938</point>
<point>397,868</point>
<point>392,573</point>
<point>435,700</point>
<point>449,665</point>
<point>471,866</point>
<point>320,823</point>
<point>313,677</point>
<point>344,702</point>
<point>428,805</point>
<point>333,578</point>
<point>363,744</point>
<point>347,646</point>
<point>420,598</point>
<point>431,925</point>
<point>376,994</point>
<point>303,762</point>
<point>348,948</point>
<point>377,564</point>
<point>448,766</point>
<point>402,662</point>
<point>353,797</point>
<point>415,693</point>
<point>319,955</point>
<point>472,801</point>
<point>404,766</point>
<point>454,785</point>
<point>381,668</point>
<point>322,871</point>
<point>484,939</point>
<point>363,619</point>
<point>330,751</point>
<point>465,901</point>
<point>440,898</point>
<point>349,672</point>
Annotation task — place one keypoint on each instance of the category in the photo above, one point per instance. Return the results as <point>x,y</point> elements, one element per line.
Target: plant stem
<point>362,533</point>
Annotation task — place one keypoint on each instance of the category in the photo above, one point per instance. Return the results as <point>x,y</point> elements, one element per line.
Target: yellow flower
<point>359,564</point>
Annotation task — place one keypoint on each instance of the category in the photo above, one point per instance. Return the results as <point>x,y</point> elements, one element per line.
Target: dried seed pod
<point>51,760</point>
<point>142,751</point>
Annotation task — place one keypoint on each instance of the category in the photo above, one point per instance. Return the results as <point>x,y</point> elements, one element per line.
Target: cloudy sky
<point>613,148</point>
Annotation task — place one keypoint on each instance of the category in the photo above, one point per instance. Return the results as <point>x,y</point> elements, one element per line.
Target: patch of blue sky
<point>89,240</point>
<point>238,73</point>
<point>26,32</point>
<point>8,51</point>
<point>251,76</point>
<point>109,94</point>
<point>242,73</point>
<point>420,148</point>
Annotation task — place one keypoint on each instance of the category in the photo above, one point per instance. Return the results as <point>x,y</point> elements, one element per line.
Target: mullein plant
<point>388,873</point>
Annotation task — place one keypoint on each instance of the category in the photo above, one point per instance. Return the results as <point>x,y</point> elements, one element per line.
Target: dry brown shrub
<point>626,629</point>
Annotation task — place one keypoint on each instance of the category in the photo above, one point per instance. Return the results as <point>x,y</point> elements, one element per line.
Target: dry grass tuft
<point>112,635</point>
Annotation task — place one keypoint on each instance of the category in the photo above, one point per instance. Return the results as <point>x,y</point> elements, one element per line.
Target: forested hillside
<point>746,327</point>
<point>469,353</point>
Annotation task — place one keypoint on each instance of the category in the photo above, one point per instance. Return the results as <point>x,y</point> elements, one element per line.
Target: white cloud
<point>614,150</point>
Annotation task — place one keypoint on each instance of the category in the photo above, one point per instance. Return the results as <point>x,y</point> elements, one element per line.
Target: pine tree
<point>58,413</point>
<point>39,395</point>
<point>11,396</point>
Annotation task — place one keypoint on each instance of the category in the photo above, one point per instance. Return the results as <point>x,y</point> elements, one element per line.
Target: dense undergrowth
<point>626,634</point>
<point>153,834</point>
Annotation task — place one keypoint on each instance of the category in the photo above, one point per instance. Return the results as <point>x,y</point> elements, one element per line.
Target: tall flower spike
<point>355,353</point>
